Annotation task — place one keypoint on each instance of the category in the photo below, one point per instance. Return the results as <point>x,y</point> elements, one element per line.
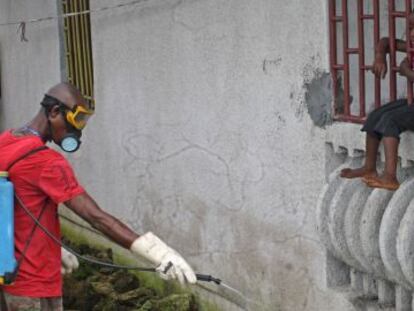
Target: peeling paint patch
<point>318,99</point>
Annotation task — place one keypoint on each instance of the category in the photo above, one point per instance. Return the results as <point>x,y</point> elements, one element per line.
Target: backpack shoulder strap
<point>25,155</point>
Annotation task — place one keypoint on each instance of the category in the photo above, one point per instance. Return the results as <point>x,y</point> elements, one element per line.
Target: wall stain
<point>280,120</point>
<point>318,98</point>
<point>270,65</point>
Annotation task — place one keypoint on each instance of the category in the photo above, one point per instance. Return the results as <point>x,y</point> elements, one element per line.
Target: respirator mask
<point>75,118</point>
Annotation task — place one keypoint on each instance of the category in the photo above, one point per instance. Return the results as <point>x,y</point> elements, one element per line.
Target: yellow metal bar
<point>81,49</point>
<point>78,48</point>
<point>84,51</point>
<point>88,56</point>
<point>66,29</point>
<point>87,60</point>
<point>1,280</point>
<point>74,43</point>
<point>71,77</point>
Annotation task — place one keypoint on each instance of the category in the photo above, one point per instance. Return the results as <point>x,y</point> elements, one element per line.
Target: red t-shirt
<point>43,178</point>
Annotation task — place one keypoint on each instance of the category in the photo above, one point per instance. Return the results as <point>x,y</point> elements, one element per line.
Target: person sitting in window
<point>387,122</point>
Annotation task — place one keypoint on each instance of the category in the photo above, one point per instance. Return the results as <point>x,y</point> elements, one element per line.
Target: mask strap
<point>49,129</point>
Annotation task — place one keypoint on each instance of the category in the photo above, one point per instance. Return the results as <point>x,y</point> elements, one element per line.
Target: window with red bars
<point>355,28</point>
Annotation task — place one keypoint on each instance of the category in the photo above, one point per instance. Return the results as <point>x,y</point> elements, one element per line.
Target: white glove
<point>170,264</point>
<point>69,262</point>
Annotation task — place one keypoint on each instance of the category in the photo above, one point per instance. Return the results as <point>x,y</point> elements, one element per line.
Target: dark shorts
<point>390,120</point>
<point>18,303</point>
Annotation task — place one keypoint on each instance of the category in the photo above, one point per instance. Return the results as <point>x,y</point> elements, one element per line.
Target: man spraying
<point>42,180</point>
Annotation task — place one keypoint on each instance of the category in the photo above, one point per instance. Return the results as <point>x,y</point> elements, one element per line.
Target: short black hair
<point>49,102</point>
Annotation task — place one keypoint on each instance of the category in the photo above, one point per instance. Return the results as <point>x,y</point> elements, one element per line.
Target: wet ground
<point>95,288</point>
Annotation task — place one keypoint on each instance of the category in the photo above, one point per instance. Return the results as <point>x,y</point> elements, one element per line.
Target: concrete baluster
<point>324,204</point>
<point>370,223</point>
<point>356,281</point>
<point>386,293</point>
<point>352,226</point>
<point>405,244</point>
<point>336,221</point>
<point>390,224</point>
<point>403,299</point>
<point>370,286</point>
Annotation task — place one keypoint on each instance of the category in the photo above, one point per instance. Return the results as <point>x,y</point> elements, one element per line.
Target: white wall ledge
<point>348,138</point>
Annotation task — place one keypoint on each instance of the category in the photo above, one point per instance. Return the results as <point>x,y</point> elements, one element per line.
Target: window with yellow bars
<point>78,47</point>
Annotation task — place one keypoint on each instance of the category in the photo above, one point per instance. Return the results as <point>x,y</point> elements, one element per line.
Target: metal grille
<point>78,47</point>
<point>342,75</point>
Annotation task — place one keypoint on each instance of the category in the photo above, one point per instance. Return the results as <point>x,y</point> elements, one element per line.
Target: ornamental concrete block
<point>336,216</point>
<point>372,212</point>
<point>388,233</point>
<point>371,233</point>
<point>352,226</point>
<point>405,244</point>
<point>323,205</point>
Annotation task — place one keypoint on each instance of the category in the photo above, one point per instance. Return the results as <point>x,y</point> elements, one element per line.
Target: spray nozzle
<point>208,278</point>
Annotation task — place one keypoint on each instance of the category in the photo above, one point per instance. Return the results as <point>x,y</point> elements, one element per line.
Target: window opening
<point>355,28</point>
<point>78,47</point>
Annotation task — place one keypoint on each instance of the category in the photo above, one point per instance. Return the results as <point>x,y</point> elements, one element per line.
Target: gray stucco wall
<point>27,68</point>
<point>201,132</point>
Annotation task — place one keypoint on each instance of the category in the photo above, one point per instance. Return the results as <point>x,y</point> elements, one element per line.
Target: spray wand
<point>200,277</point>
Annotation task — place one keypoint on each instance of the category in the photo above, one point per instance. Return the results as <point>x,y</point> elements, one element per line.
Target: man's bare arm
<point>168,262</point>
<point>84,206</point>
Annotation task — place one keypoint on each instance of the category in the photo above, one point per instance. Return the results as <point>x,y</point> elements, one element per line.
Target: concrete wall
<point>204,131</point>
<point>27,69</point>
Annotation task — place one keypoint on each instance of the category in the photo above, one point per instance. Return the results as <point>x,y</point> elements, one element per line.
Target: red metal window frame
<point>344,65</point>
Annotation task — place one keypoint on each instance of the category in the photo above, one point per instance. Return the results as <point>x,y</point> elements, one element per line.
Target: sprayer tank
<point>7,259</point>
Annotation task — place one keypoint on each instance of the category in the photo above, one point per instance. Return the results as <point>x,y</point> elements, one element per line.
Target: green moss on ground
<point>96,288</point>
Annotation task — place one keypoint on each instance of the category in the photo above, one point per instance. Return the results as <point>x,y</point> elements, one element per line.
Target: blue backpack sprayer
<point>7,261</point>
<point>8,264</point>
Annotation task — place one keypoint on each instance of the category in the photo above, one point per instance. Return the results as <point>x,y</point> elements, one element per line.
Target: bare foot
<point>367,178</point>
<point>384,182</point>
<point>358,172</point>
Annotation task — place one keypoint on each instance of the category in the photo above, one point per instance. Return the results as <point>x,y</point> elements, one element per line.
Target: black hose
<point>200,277</point>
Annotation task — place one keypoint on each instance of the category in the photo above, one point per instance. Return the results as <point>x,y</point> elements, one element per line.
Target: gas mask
<point>75,119</point>
<point>71,142</point>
